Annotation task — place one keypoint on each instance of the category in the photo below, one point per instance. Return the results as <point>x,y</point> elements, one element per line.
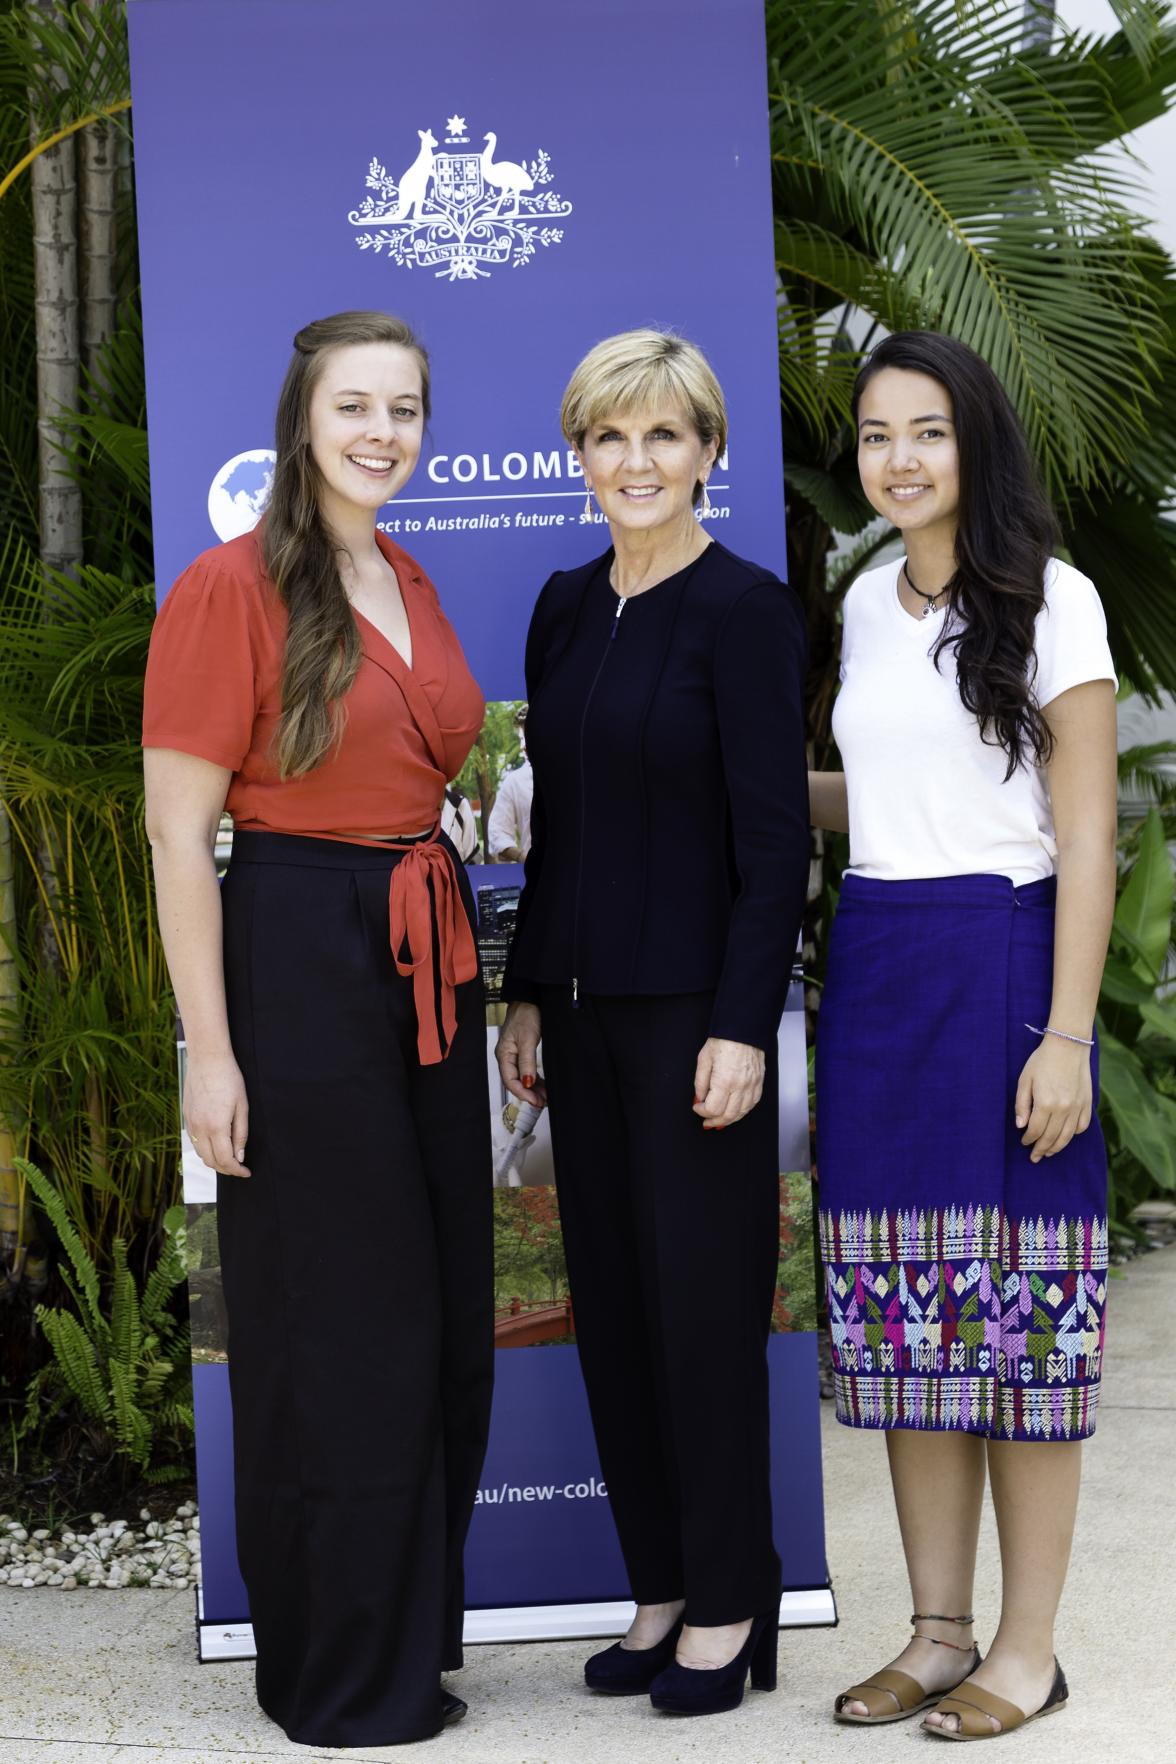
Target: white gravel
<point>111,1553</point>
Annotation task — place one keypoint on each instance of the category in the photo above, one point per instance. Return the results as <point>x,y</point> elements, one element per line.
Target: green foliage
<point>203,1241</point>
<point>937,167</point>
<point>1137,1026</point>
<point>528,1246</point>
<point>72,59</point>
<point>795,1305</point>
<point>87,1056</point>
<point>125,1363</point>
<point>495,751</point>
<point>87,1053</point>
<point>940,166</point>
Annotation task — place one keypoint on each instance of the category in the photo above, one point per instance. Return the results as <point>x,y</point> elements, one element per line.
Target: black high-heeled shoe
<point>696,1690</point>
<point>629,1672</point>
<point>452,1708</point>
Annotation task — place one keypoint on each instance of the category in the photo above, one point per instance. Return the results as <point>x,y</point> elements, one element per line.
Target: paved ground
<point>98,1677</point>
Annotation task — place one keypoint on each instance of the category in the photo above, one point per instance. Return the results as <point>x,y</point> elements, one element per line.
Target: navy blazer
<point>669,825</point>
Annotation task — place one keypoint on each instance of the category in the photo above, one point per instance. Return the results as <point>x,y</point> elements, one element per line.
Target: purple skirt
<point>966,1286</point>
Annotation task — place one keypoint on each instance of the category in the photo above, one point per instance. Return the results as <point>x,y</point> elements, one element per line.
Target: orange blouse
<point>213,689</point>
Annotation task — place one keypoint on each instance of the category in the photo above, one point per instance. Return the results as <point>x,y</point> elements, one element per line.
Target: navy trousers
<point>672,1241</point>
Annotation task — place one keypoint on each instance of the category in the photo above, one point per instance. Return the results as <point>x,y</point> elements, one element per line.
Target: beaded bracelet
<point>1061,1034</point>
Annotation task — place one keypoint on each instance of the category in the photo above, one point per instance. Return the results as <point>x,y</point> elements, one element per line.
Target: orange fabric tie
<point>411,920</point>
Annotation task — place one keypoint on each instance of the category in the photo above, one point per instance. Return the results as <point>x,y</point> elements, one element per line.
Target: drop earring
<point>587,514</point>
<point>706,501</point>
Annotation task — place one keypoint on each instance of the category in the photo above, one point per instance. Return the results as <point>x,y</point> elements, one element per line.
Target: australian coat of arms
<point>459,213</point>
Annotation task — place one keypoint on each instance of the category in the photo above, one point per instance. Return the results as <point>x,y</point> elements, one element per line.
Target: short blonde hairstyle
<point>639,369</point>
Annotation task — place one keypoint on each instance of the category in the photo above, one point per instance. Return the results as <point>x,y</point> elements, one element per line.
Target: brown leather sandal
<point>895,1696</point>
<point>973,1706</point>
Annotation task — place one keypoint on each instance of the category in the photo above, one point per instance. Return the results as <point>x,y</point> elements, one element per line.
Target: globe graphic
<point>238,494</point>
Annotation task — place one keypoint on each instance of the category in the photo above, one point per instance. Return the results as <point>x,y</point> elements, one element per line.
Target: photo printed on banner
<point>532,1299</point>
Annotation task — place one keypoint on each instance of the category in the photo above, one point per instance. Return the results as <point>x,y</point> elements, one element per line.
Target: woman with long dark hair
<point>962,1170</point>
<point>305,677</point>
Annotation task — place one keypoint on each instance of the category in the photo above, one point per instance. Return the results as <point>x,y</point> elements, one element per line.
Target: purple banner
<point>518,182</point>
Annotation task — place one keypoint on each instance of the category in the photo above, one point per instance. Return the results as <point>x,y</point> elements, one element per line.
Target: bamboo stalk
<point>131,954</point>
<point>99,175</point>
<point>55,257</point>
<point>55,140</point>
<point>55,264</point>
<point>38,878</point>
<point>10,1182</point>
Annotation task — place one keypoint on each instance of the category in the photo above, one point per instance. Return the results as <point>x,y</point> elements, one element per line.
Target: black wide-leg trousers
<point>357,1265</point>
<point>672,1240</point>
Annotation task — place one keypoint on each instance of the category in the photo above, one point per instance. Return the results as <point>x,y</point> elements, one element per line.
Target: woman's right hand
<point>216,1113</point>
<point>518,1045</point>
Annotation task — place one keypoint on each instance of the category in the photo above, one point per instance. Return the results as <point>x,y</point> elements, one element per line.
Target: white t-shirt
<point>927,796</point>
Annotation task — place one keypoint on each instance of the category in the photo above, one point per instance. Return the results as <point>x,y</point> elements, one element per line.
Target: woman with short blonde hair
<point>664,891</point>
<point>641,368</point>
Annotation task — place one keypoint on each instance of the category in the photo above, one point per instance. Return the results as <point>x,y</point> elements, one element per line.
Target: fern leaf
<point>71,1243</point>
<point>129,1424</point>
<point>153,1381</point>
<point>76,1360</point>
<point>170,1473</point>
<point>126,1333</point>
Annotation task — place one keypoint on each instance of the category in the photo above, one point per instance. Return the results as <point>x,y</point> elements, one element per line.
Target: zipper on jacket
<point>621,604</point>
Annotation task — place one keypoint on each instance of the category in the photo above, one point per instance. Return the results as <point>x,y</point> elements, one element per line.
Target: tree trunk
<point>53,178</point>
<point>487,791</point>
<point>53,188</point>
<point>100,172</point>
<point>11,1248</point>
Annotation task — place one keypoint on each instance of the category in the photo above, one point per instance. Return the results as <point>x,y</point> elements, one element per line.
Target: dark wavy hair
<point>1004,540</point>
<point>323,650</point>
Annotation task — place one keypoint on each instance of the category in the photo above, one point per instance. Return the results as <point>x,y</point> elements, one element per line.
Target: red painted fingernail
<point>528,1080</point>
<point>698,1102</point>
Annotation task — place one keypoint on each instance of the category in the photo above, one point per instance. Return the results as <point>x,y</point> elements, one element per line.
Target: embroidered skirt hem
<point>966,1285</point>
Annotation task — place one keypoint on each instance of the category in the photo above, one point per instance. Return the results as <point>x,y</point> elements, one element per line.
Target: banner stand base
<point>800,1608</point>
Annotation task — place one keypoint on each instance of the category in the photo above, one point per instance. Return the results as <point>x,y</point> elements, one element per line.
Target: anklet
<point>934,1617</point>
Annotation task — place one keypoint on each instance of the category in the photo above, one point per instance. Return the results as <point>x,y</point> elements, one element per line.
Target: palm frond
<point>994,221</point>
<point>836,495</point>
<point>73,62</point>
<point>1147,773</point>
<point>1128,548</point>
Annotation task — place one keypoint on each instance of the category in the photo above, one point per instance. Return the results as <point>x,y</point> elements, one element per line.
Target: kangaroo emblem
<point>458,211</point>
<point>414,185</point>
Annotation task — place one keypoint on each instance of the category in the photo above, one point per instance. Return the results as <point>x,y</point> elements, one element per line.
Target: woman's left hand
<point>1054,1096</point>
<point>728,1081</point>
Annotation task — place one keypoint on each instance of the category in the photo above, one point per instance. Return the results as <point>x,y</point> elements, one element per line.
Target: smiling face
<point>366,421</point>
<point>908,457</point>
<point>643,466</point>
